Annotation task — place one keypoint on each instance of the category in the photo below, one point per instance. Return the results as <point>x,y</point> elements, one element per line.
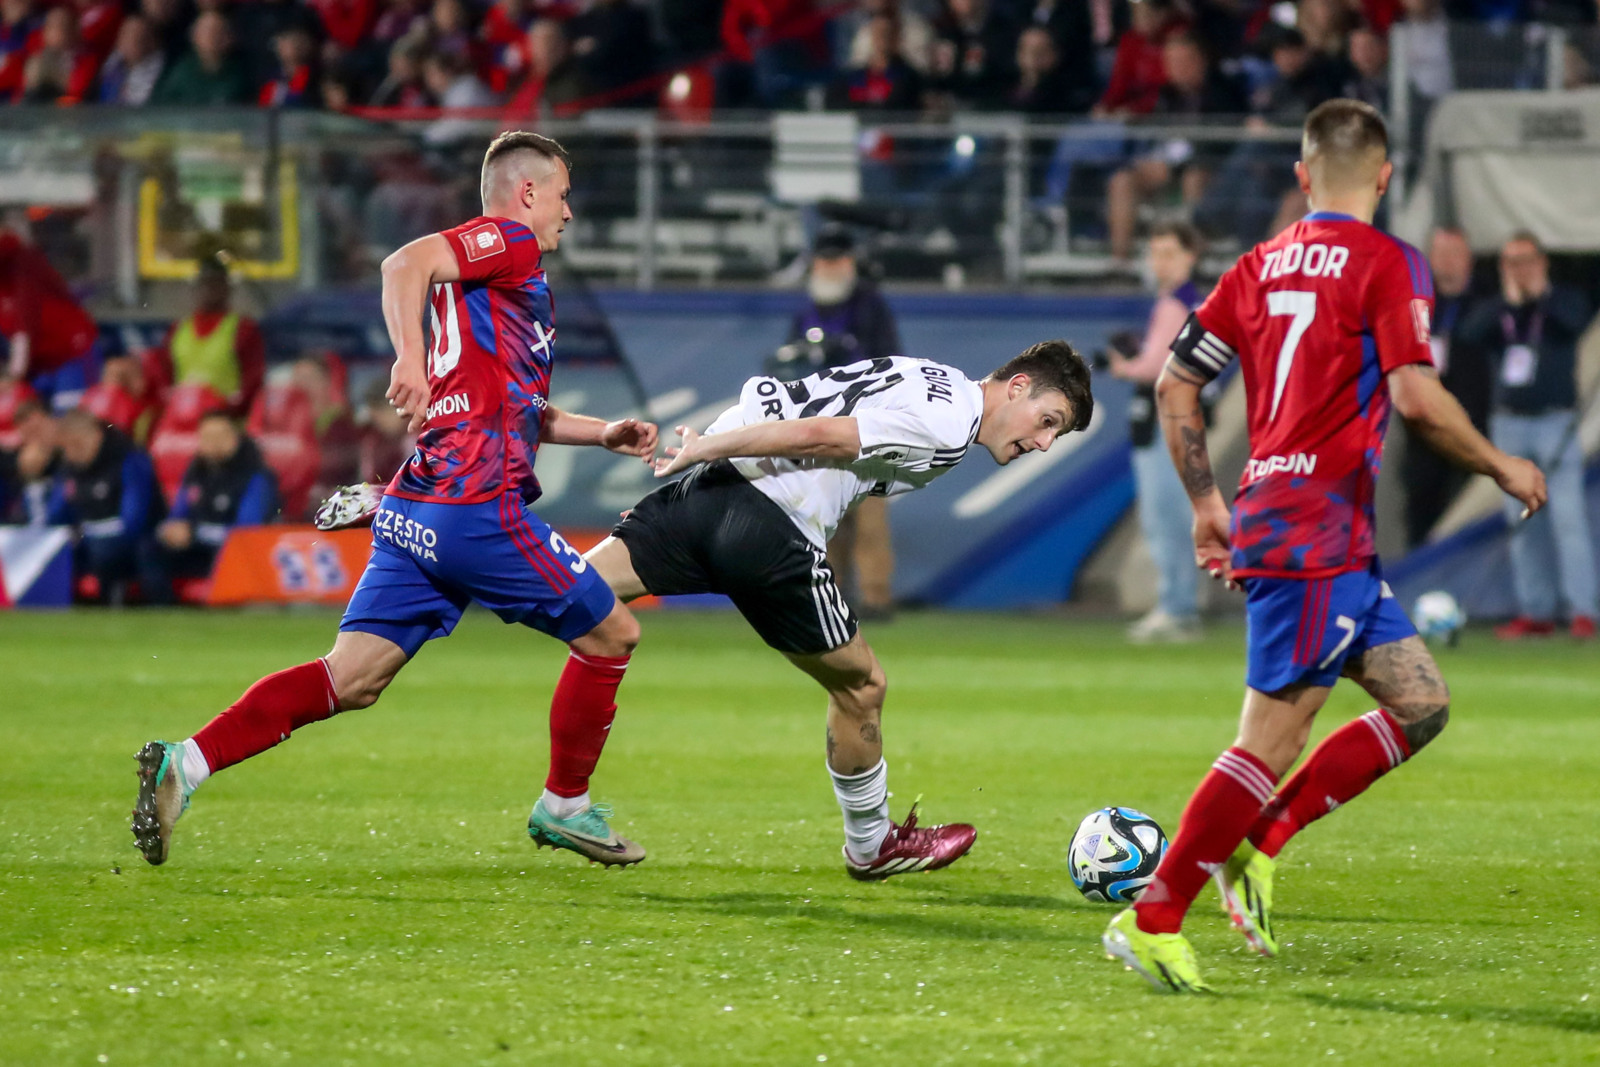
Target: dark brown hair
<point>1184,233</point>
<point>1054,365</point>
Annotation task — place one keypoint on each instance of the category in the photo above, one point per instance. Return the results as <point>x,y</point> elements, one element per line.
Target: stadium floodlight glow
<point>678,88</point>
<point>965,145</point>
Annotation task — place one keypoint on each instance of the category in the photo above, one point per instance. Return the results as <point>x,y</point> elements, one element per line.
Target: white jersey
<point>916,420</point>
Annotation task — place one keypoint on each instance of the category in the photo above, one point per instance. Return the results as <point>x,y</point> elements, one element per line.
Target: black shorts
<point>713,532</point>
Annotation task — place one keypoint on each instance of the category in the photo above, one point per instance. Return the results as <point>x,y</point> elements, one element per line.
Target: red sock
<point>1343,766</point>
<point>267,713</point>
<point>581,711</point>
<point>1220,813</point>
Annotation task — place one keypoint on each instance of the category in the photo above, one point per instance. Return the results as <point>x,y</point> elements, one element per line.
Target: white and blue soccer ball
<point>1438,617</point>
<point>1114,854</point>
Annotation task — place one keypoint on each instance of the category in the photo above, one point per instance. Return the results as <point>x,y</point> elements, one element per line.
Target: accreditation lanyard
<point>1522,357</point>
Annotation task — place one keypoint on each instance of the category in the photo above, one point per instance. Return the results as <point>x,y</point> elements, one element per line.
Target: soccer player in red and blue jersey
<point>455,525</point>
<point>1329,321</point>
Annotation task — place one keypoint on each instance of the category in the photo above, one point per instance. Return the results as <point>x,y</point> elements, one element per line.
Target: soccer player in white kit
<point>767,484</point>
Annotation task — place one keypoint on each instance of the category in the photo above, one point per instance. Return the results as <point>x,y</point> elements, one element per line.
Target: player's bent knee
<point>1422,730</point>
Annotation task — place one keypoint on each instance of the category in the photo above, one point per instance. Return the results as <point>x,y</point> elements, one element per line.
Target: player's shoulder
<point>486,237</point>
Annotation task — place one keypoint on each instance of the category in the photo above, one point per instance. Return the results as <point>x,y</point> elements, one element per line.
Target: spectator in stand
<point>1195,94</point>
<point>554,76</point>
<point>123,398</point>
<point>973,52</point>
<point>130,75</point>
<point>403,87</point>
<point>1431,481</point>
<point>211,75</point>
<point>19,40</point>
<point>386,442</point>
<point>54,344</point>
<point>338,437</point>
<point>295,83</point>
<point>227,485</point>
<point>613,41</point>
<point>1070,24</point>
<point>28,467</point>
<point>916,34</point>
<point>340,88</point>
<point>1531,334</point>
<point>64,69</point>
<point>167,22</point>
<point>106,488</point>
<point>451,30</point>
<point>99,22</point>
<point>1369,68</point>
<point>346,23</point>
<point>1139,70</point>
<point>1255,193</point>
<point>1165,516</point>
<point>256,25</point>
<point>1039,86</point>
<point>452,83</point>
<point>776,48</point>
<point>400,19</point>
<point>1326,25</point>
<point>886,83</point>
<point>214,346</point>
<point>1429,73</point>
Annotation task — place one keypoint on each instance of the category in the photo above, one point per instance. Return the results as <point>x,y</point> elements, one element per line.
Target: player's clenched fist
<point>1211,549</point>
<point>408,391</point>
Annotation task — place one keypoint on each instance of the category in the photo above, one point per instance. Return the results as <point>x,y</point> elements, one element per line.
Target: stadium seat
<point>173,442</point>
<point>12,396</point>
<point>284,427</point>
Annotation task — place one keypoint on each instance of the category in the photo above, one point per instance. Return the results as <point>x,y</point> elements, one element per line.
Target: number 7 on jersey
<point>1303,306</point>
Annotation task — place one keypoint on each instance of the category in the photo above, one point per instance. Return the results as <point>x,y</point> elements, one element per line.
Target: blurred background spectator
<point>551,75</point>
<point>105,487</point>
<point>52,342</point>
<point>227,485</point>
<point>211,74</point>
<point>916,33</point>
<point>134,67</point>
<point>214,346</point>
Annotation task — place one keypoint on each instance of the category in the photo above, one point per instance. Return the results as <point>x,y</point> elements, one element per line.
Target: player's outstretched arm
<point>824,437</point>
<point>1183,424</point>
<point>1439,419</point>
<point>409,274</point>
<point>631,437</point>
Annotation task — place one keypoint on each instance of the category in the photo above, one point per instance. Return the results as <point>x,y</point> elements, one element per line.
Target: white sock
<point>195,768</point>
<point>564,807</point>
<point>864,799</point>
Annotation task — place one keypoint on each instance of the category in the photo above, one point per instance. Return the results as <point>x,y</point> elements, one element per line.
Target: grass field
<point>366,893</point>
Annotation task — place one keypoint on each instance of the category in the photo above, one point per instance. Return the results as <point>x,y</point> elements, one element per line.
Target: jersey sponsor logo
<point>1422,319</point>
<point>1299,463</point>
<point>1314,261</point>
<point>406,533</point>
<point>454,404</point>
<point>484,241</point>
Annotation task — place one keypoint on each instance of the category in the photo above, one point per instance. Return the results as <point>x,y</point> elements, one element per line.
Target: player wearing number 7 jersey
<point>454,526</point>
<point>1329,321</point>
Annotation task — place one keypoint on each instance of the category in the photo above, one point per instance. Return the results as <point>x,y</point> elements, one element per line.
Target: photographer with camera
<point>1164,511</point>
<point>846,319</point>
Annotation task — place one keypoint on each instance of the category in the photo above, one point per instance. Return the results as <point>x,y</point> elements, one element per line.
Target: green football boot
<point>163,798</point>
<point>1164,960</point>
<point>587,833</point>
<point>1246,885</point>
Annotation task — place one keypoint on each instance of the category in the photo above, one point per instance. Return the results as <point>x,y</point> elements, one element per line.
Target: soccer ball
<point>1114,854</point>
<point>1438,617</point>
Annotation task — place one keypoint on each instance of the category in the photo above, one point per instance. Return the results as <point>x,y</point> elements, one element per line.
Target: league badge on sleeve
<point>1422,320</point>
<point>484,241</point>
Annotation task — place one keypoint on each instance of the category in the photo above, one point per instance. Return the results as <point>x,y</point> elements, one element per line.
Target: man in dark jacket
<point>105,486</point>
<point>227,485</point>
<point>846,320</point>
<point>1531,334</point>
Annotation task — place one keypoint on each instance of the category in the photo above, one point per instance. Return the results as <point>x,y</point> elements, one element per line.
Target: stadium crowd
<point>1107,58</point>
<point>170,448</point>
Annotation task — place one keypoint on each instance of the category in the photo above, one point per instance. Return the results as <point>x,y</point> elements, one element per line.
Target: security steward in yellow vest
<point>215,346</point>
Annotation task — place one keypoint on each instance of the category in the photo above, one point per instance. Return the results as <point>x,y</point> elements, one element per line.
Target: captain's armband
<point>1200,353</point>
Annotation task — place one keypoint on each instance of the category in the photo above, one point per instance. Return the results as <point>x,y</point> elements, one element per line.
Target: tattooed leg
<point>1403,677</point>
<point>855,683</point>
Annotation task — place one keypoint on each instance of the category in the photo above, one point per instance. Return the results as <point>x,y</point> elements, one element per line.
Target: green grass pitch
<point>366,893</point>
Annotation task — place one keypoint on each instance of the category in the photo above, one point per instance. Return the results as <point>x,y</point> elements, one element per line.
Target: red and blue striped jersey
<point>1318,316</point>
<point>489,360</point>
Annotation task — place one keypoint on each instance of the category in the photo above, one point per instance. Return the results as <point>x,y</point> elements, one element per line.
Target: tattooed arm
<point>1184,426</point>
